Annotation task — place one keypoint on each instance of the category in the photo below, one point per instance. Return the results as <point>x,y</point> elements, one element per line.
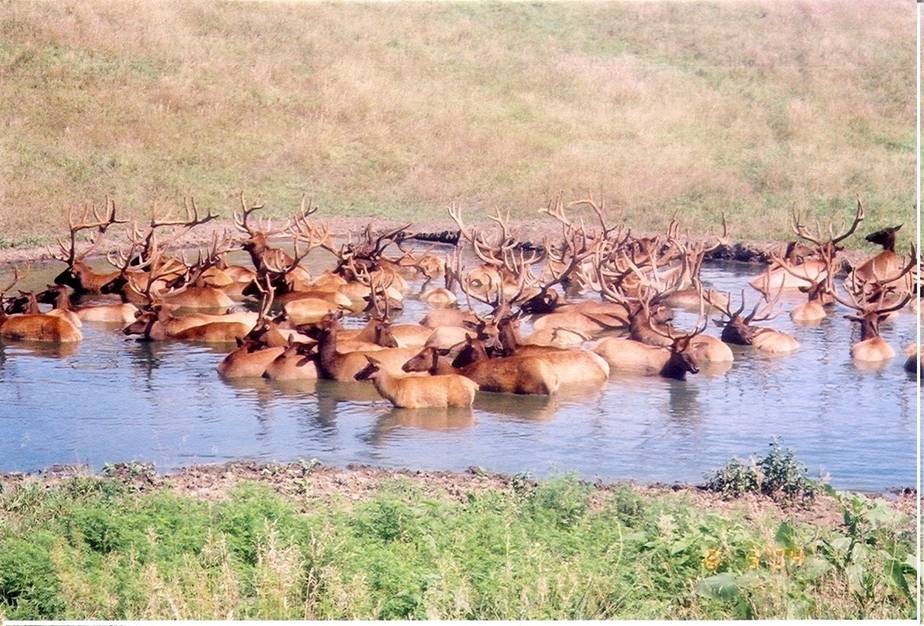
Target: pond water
<point>116,399</point>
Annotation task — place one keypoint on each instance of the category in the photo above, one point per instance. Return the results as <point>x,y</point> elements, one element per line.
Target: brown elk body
<point>38,327</point>
<point>343,367</point>
<point>519,375</point>
<point>250,360</point>
<point>296,362</point>
<point>444,390</point>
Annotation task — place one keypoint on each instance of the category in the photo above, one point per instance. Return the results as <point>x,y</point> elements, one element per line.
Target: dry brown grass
<point>396,109</point>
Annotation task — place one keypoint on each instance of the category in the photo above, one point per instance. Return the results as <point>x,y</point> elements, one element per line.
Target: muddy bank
<point>312,480</point>
<point>341,228</point>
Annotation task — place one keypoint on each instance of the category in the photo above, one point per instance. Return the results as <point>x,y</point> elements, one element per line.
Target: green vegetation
<point>777,475</point>
<point>393,110</point>
<point>105,548</point>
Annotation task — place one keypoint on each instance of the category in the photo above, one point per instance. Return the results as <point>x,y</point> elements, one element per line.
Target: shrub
<point>777,474</point>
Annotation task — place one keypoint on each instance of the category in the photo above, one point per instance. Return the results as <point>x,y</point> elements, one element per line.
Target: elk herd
<point>595,299</point>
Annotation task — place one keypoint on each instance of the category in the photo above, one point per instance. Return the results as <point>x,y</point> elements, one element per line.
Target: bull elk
<point>674,360</point>
<point>78,275</point>
<point>817,291</point>
<point>446,390</point>
<point>870,313</point>
<point>737,328</point>
<point>811,269</point>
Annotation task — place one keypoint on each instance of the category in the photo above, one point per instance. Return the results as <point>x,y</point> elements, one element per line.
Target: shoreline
<point>356,482</point>
<point>745,251</point>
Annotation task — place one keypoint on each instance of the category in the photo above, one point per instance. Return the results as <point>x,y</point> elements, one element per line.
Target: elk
<point>817,291</point>
<point>826,249</point>
<point>518,375</point>
<point>497,273</point>
<point>157,324</point>
<point>297,361</point>
<point>913,360</point>
<point>257,243</point>
<point>333,365</point>
<point>37,327</point>
<point>59,296</point>
<point>885,262</point>
<point>78,275</point>
<point>253,354</point>
<point>673,361</point>
<point>870,313</point>
<point>443,390</point>
<point>570,366</point>
<point>250,360</point>
<point>737,328</point>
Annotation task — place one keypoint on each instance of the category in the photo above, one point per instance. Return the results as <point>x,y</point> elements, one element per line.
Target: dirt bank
<point>342,227</point>
<point>310,479</point>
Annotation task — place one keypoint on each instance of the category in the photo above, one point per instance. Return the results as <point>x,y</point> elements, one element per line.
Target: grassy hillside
<point>396,109</point>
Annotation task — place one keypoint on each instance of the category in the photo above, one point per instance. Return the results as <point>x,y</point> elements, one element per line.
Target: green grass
<point>97,548</point>
<point>394,110</point>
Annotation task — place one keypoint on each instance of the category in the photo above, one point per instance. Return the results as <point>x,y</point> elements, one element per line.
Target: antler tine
<point>599,210</point>
<point>241,220</point>
<point>502,221</point>
<point>455,212</point>
<point>16,279</point>
<point>724,309</point>
<point>766,313</point>
<point>858,217</point>
<point>75,225</point>
<point>558,212</point>
<point>303,211</point>
<point>488,257</point>
<point>852,304</point>
<point>388,238</point>
<point>801,231</point>
<point>785,265</point>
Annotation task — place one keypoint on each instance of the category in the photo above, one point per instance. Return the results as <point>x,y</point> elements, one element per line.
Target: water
<point>112,398</point>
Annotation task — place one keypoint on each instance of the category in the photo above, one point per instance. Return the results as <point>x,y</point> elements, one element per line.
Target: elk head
<point>736,328</point>
<point>90,219</point>
<point>369,372</point>
<point>884,237</point>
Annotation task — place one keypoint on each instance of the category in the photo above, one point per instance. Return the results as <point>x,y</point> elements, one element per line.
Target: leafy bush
<point>777,474</point>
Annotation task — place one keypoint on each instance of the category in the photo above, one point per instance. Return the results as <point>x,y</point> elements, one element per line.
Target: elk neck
<point>327,352</point>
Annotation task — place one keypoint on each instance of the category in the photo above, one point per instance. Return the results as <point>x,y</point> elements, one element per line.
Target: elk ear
<point>719,323</point>
<point>239,341</point>
<point>894,228</point>
<point>853,318</point>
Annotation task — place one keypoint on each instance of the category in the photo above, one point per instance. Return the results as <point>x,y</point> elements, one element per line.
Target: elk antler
<point>102,223</point>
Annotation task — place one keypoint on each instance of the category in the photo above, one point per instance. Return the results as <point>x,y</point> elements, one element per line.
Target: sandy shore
<point>312,480</point>
<point>341,228</point>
